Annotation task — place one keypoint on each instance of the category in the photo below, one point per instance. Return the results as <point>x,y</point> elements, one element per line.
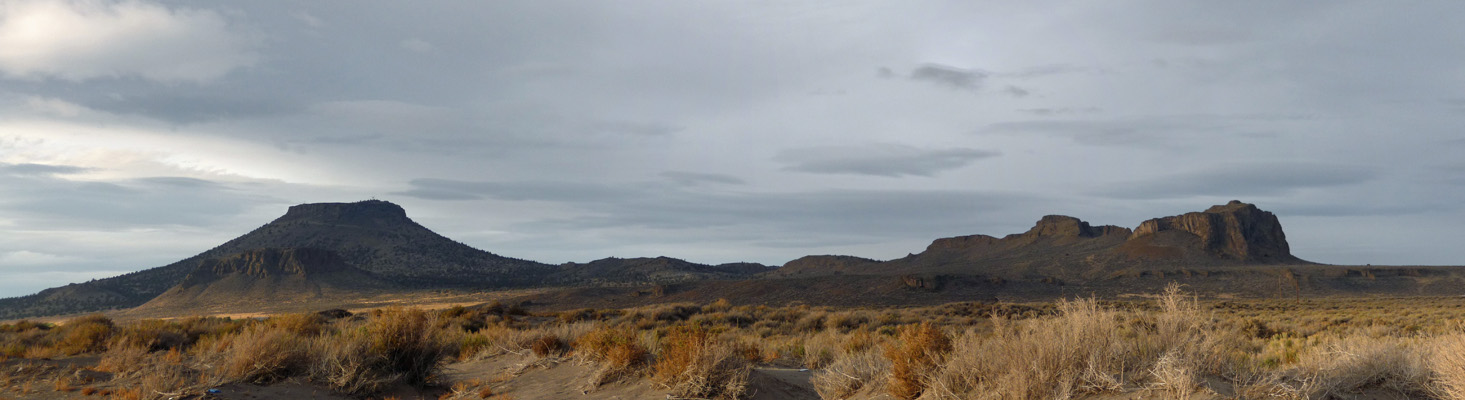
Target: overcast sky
<point>137,133</point>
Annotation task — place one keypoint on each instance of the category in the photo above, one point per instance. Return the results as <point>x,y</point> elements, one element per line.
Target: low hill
<point>658,270</point>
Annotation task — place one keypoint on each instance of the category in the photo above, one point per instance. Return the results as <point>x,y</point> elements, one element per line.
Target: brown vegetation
<point>1171,345</point>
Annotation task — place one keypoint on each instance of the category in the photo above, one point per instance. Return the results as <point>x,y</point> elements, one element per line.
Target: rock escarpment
<point>267,275</point>
<point>1063,247</point>
<point>1235,231</point>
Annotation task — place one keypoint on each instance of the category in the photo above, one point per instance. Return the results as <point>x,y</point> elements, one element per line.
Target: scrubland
<point>1166,345</point>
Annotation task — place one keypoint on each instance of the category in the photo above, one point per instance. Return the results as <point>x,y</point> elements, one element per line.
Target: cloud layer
<point>79,40</point>
<point>134,133</point>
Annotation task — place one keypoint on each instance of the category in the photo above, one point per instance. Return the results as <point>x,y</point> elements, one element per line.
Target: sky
<point>137,133</point>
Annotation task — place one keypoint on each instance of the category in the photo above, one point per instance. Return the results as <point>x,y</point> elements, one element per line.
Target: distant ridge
<point>322,250</point>
<point>1060,247</point>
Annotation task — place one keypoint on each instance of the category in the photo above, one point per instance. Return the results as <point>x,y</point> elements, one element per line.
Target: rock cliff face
<point>269,275</point>
<point>265,263</point>
<point>1066,226</point>
<point>1236,231</point>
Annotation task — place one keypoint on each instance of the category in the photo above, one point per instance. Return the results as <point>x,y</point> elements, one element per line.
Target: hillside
<point>658,270</point>
<point>273,275</point>
<point>375,236</point>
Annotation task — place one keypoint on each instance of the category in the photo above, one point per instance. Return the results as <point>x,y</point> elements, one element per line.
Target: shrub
<point>849,373</point>
<point>396,345</point>
<point>548,345</point>
<point>309,324</point>
<point>616,350</point>
<point>263,354</point>
<point>122,356</point>
<point>693,363</point>
<point>87,334</point>
<point>914,356</point>
<point>1448,364</point>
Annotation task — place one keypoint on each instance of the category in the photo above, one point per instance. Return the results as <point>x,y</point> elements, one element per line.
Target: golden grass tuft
<point>914,356</point>
<point>617,351</point>
<point>692,362</point>
<point>396,345</point>
<point>263,354</point>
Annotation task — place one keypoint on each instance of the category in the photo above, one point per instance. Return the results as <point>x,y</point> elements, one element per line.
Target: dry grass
<point>263,354</point>
<point>1168,346</point>
<point>618,352</point>
<point>851,372</point>
<point>397,345</point>
<point>692,362</point>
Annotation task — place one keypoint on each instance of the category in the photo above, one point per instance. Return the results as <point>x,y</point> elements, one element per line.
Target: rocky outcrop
<point>1066,226</point>
<point>265,263</point>
<point>361,213</point>
<point>1236,231</point>
<point>1051,226</point>
<point>962,242</point>
<point>269,275</point>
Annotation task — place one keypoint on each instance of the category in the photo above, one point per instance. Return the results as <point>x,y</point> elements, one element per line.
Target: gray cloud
<point>40,169</point>
<point>56,203</point>
<point>447,189</point>
<point>1155,130</point>
<point>949,76</point>
<point>191,105</point>
<point>1244,180</point>
<point>536,141</point>
<point>889,160</point>
<point>696,178</point>
<point>1061,111</point>
<point>1039,71</point>
<point>1015,91</point>
<point>634,128</point>
<point>882,213</point>
<point>87,40</point>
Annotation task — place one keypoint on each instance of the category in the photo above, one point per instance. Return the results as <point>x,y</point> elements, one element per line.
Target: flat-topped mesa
<point>261,263</point>
<point>1236,230</point>
<point>369,212</point>
<point>1050,226</point>
<point>962,242</point>
<point>1066,226</point>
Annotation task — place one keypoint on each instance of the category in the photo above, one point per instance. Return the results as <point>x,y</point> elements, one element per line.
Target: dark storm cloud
<point>1263,179</point>
<point>696,178</point>
<point>889,160</point>
<point>949,76</point>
